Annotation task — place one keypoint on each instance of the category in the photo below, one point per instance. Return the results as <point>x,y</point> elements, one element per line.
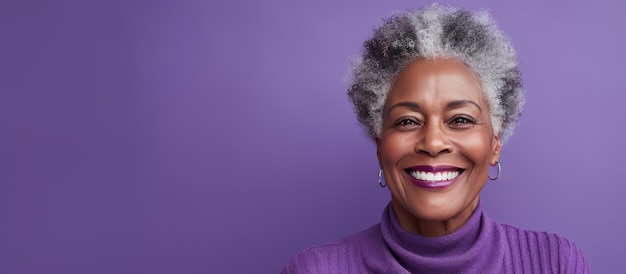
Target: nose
<point>432,141</point>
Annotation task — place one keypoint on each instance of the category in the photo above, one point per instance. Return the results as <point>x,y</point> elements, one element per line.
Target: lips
<point>433,176</point>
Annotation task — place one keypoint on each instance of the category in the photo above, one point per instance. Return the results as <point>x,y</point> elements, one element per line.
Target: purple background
<point>216,137</point>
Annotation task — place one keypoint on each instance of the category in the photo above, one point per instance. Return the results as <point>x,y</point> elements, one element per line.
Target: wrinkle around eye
<point>462,122</point>
<point>407,124</point>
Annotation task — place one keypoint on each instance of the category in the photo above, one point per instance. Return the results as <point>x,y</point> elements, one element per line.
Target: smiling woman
<point>436,145</point>
<point>439,91</point>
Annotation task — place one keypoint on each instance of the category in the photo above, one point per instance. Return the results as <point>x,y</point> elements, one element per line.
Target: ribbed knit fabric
<point>480,246</point>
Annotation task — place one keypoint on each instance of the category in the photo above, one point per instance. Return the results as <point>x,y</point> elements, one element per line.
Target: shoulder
<point>545,248</point>
<point>331,257</point>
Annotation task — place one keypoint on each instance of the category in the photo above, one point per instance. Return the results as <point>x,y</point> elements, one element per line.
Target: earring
<point>499,171</point>
<point>381,180</point>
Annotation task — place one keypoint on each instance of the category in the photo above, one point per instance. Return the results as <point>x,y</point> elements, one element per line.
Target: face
<point>437,143</point>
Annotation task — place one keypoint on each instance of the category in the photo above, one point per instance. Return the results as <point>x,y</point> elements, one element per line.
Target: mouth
<point>433,176</point>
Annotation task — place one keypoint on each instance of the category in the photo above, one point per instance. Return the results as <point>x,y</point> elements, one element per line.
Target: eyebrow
<point>411,105</point>
<point>459,103</point>
<point>416,107</point>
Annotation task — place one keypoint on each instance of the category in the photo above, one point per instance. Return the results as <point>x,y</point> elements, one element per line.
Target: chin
<point>435,209</point>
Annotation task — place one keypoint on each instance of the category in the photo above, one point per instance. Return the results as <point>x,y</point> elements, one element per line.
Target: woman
<point>439,91</point>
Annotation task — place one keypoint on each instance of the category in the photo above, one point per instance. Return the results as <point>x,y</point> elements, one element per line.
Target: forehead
<point>436,80</point>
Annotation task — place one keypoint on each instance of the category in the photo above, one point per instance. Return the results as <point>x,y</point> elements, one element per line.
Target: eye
<point>461,122</point>
<point>407,123</point>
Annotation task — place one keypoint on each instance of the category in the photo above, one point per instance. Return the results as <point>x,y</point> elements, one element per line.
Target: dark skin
<point>436,115</point>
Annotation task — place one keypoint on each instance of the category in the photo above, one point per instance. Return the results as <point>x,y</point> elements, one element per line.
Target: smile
<point>433,176</point>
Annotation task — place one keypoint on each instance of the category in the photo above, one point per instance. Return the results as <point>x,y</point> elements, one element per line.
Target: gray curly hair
<point>438,32</point>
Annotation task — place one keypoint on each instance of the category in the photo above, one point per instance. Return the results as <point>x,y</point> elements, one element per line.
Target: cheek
<point>394,147</point>
<point>476,147</point>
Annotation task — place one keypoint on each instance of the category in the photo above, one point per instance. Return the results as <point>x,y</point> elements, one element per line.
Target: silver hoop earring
<point>499,171</point>
<point>381,180</point>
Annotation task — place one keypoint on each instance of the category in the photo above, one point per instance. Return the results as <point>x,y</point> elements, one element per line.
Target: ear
<point>497,146</point>
<point>378,148</point>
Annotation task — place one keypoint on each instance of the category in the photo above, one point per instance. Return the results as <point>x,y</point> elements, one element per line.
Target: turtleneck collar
<point>474,246</point>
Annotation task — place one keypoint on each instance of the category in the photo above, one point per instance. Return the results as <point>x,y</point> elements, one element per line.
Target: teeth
<point>434,176</point>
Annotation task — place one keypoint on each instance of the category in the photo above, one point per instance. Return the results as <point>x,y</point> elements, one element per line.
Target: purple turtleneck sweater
<point>480,246</point>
